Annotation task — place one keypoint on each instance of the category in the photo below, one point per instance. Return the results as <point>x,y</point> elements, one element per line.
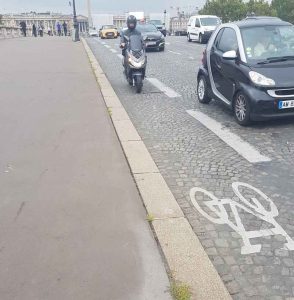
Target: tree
<point>260,8</point>
<point>227,10</point>
<point>285,9</point>
<point>0,19</point>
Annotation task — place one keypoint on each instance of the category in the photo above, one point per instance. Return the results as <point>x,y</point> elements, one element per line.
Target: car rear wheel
<point>242,109</point>
<point>202,91</point>
<point>189,38</point>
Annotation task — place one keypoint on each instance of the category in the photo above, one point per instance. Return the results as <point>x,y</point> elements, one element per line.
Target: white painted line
<point>120,56</point>
<point>167,43</point>
<point>103,43</point>
<point>107,46</point>
<point>177,53</point>
<point>166,90</point>
<point>234,141</point>
<point>113,50</point>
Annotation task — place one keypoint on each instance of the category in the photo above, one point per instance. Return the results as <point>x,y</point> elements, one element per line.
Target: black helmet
<point>131,22</point>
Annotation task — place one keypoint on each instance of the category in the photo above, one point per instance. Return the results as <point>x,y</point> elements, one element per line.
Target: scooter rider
<point>125,35</point>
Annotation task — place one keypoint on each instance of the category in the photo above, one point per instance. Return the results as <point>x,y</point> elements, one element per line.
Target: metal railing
<point>9,32</point>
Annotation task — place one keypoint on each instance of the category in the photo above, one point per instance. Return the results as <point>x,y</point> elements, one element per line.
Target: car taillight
<point>204,58</point>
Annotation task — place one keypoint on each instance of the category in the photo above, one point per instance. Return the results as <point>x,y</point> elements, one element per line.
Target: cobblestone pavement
<point>189,155</point>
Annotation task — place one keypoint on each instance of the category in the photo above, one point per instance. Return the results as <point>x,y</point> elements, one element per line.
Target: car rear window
<point>210,21</point>
<point>146,28</point>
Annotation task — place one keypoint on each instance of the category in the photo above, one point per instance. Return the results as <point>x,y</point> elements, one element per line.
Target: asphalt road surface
<point>242,207</point>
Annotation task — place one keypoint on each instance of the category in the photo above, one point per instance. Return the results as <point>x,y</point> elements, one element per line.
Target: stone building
<point>48,20</point>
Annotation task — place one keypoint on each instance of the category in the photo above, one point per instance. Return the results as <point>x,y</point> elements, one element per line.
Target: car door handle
<point>218,66</point>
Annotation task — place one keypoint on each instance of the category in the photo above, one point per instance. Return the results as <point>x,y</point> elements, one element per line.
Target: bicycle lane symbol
<point>217,206</point>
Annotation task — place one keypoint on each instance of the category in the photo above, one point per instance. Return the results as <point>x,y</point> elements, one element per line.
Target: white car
<point>201,27</point>
<point>93,32</point>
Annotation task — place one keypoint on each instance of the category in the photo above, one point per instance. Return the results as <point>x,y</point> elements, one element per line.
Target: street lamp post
<point>164,17</point>
<point>75,22</point>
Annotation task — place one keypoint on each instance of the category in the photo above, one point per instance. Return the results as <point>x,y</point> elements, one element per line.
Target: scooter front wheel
<point>139,84</point>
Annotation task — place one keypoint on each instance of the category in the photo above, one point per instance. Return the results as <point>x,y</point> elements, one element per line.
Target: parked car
<point>201,27</point>
<point>108,32</point>
<point>159,25</point>
<point>153,38</point>
<point>249,66</point>
<point>93,32</point>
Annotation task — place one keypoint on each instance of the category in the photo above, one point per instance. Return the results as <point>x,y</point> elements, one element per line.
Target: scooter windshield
<point>135,43</point>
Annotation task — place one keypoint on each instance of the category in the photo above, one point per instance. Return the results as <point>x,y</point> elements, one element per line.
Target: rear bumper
<point>159,44</point>
<point>109,35</point>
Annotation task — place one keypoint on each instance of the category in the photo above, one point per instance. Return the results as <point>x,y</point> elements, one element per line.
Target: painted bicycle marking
<point>255,208</point>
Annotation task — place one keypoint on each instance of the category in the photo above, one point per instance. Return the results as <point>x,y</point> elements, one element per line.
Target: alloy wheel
<point>241,108</point>
<point>201,89</point>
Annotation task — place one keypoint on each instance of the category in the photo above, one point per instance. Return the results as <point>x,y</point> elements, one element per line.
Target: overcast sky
<point>103,6</point>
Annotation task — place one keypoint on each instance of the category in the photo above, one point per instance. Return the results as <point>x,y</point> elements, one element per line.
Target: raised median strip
<point>185,256</point>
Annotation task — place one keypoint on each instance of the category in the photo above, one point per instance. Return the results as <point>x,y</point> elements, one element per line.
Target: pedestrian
<point>23,26</point>
<point>40,30</point>
<point>64,25</point>
<point>58,29</point>
<point>34,30</point>
<point>49,31</point>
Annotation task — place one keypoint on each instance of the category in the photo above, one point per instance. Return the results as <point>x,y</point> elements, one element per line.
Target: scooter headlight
<point>135,64</point>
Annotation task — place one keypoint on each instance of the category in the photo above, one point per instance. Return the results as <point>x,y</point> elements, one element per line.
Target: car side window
<point>228,41</point>
<point>218,37</point>
<point>197,23</point>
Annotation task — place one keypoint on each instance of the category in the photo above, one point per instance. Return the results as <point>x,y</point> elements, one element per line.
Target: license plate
<point>286,104</point>
<point>151,43</point>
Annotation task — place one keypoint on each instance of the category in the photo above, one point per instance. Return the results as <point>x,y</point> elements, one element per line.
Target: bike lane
<point>188,156</point>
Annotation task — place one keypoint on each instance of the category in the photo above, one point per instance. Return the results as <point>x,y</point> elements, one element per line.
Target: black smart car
<point>249,65</point>
<point>153,38</point>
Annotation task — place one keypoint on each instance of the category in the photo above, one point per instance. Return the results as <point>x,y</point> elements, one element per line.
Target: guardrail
<point>9,32</point>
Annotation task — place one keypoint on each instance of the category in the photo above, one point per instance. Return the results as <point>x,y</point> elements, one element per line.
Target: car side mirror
<point>230,55</point>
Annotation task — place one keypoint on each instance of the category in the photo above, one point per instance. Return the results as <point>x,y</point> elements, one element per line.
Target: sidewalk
<point>72,224</point>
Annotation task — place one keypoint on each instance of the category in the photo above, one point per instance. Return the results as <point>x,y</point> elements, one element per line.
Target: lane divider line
<point>162,87</point>
<point>242,147</point>
<point>177,53</point>
<point>113,50</point>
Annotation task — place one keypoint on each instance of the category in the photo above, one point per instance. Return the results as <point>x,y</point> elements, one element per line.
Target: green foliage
<point>150,218</point>
<point>227,10</point>
<point>260,8</point>
<point>285,9</point>
<point>234,10</point>
<point>180,291</point>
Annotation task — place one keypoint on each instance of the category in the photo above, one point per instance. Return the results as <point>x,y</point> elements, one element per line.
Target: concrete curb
<point>182,249</point>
